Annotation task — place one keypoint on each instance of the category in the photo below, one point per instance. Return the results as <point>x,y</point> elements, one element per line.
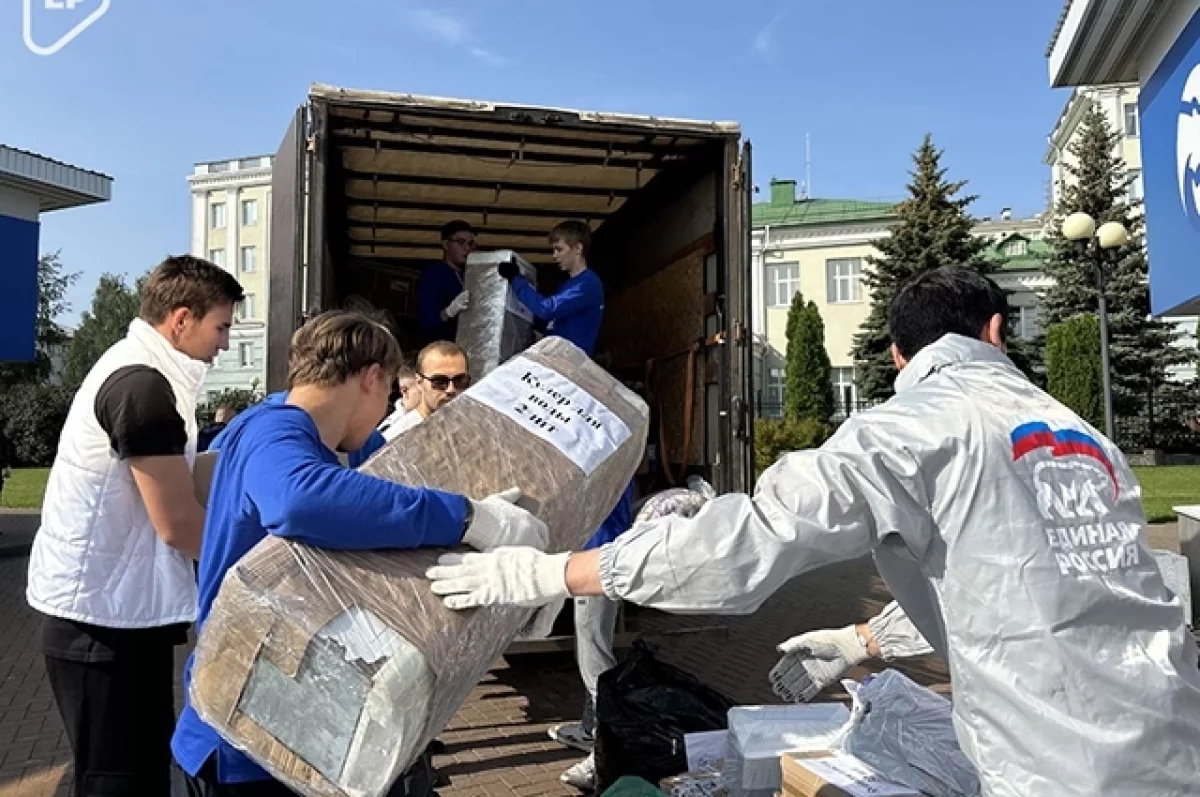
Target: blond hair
<point>336,345</point>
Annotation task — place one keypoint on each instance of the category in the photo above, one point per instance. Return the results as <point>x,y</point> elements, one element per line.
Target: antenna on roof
<point>807,194</point>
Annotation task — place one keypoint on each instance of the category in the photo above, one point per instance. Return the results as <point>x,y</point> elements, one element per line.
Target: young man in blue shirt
<point>441,296</point>
<point>575,310</point>
<point>278,474</point>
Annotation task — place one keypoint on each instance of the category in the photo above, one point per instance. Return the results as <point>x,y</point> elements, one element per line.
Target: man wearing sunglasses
<point>440,376</point>
<point>441,297</point>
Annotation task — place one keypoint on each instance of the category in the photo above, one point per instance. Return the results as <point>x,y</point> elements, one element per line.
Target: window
<point>249,259</point>
<point>773,401</point>
<point>1131,120</point>
<point>246,355</point>
<point>249,163</point>
<point>223,166</point>
<point>217,215</point>
<point>249,212</point>
<point>1027,325</point>
<point>783,280</point>
<point>843,275</point>
<point>1137,191</point>
<point>845,394</point>
<point>246,308</point>
<point>1017,247</point>
<point>217,257</point>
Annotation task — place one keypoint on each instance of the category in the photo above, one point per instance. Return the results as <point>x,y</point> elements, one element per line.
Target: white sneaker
<point>581,776</point>
<point>571,735</point>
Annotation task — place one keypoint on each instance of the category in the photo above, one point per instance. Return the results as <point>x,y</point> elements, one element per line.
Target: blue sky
<point>152,87</point>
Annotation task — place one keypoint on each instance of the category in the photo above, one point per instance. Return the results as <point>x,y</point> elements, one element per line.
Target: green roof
<point>784,208</point>
<point>1035,255</point>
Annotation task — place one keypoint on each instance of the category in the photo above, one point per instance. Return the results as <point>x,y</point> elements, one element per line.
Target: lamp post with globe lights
<point>1102,248</point>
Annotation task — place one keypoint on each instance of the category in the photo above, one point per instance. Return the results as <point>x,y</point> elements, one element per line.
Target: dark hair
<point>573,232</point>
<point>337,344</point>
<point>946,300</point>
<point>453,228</point>
<point>187,281</point>
<point>446,348</point>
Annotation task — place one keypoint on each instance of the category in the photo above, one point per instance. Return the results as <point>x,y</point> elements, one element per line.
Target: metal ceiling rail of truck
<point>371,176</point>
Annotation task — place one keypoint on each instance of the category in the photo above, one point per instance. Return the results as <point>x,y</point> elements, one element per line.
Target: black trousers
<point>119,716</point>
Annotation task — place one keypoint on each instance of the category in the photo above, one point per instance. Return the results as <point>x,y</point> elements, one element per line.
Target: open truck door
<point>738,353</point>
<point>288,222</point>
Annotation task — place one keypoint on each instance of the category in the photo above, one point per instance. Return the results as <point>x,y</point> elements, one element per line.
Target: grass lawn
<point>1162,488</point>
<point>25,489</point>
<point>1165,487</point>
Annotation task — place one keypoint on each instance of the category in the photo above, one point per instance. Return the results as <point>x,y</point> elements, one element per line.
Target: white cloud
<point>452,31</point>
<point>765,38</point>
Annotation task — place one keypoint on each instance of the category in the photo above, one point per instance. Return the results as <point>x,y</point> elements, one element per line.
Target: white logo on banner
<point>1187,144</point>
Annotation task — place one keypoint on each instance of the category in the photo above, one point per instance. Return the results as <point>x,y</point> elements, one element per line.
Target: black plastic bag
<point>643,709</point>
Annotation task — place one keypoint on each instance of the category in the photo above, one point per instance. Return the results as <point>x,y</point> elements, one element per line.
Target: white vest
<point>96,558</point>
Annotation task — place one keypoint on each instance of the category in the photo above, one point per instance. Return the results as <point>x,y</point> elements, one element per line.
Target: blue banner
<point>18,289</point>
<point>1169,106</point>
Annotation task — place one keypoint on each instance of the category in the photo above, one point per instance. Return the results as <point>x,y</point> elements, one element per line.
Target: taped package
<point>835,774</point>
<point>333,669</point>
<point>759,735</point>
<point>495,326</point>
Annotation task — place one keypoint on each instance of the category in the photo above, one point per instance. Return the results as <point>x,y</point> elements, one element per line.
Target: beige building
<point>1120,106</point>
<point>820,247</point>
<point>231,226</point>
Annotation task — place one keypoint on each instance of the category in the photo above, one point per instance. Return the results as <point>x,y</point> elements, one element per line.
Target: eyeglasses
<point>469,243</point>
<point>440,382</point>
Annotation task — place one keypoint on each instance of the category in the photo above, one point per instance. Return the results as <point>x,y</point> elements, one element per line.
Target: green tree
<point>1073,368</point>
<point>774,438</point>
<point>114,305</point>
<point>1139,346</point>
<point>52,285</point>
<point>934,230</point>
<point>808,377</point>
<point>234,398</point>
<point>32,416</point>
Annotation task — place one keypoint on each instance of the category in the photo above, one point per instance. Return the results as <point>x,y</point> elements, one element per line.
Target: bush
<point>773,439</point>
<point>1073,369</point>
<point>236,399</point>
<point>32,417</point>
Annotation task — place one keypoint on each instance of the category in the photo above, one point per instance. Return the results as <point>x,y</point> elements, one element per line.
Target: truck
<point>364,180</point>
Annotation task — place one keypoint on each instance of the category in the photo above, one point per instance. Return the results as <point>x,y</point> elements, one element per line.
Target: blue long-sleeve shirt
<point>617,522</point>
<point>356,458</point>
<point>275,476</point>
<point>439,284</point>
<point>574,311</point>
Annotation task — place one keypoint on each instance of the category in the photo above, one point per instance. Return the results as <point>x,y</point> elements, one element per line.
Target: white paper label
<point>853,776</point>
<point>555,409</point>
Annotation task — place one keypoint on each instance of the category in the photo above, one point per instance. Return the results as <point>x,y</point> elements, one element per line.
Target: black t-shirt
<point>136,409</point>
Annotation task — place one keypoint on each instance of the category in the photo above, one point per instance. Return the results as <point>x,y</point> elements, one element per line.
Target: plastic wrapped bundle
<point>495,326</point>
<point>334,670</point>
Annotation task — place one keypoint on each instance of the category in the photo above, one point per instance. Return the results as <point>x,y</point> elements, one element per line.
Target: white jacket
<point>1013,535</point>
<point>96,557</point>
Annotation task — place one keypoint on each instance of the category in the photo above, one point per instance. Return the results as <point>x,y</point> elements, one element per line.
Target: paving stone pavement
<point>497,743</point>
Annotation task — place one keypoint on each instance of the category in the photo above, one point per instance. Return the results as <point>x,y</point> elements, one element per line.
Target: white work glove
<point>542,622</point>
<point>516,576</point>
<point>497,522</point>
<point>458,305</point>
<point>815,660</point>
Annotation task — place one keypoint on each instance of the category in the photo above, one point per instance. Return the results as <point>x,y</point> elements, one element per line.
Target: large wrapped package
<point>334,670</point>
<point>495,326</point>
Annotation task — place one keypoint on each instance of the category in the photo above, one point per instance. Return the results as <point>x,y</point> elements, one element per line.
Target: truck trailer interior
<point>666,200</point>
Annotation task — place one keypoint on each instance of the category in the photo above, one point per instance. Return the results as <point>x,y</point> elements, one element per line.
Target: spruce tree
<point>808,378</point>
<point>1139,346</point>
<point>934,230</point>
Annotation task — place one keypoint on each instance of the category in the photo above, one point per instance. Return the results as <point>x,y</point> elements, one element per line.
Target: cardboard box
<point>834,774</point>
<point>334,669</point>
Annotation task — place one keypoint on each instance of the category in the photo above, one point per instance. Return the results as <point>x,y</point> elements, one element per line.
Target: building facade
<point>1120,105</point>
<point>1155,45</point>
<point>820,247</point>
<point>231,226</point>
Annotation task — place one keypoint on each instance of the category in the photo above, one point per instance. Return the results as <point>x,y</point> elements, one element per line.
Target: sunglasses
<point>440,382</point>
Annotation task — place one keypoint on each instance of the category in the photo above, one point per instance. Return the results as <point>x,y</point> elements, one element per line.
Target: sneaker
<point>581,776</point>
<point>571,735</point>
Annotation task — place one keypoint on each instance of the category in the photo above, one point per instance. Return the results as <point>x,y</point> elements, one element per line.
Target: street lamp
<point>1102,247</point>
